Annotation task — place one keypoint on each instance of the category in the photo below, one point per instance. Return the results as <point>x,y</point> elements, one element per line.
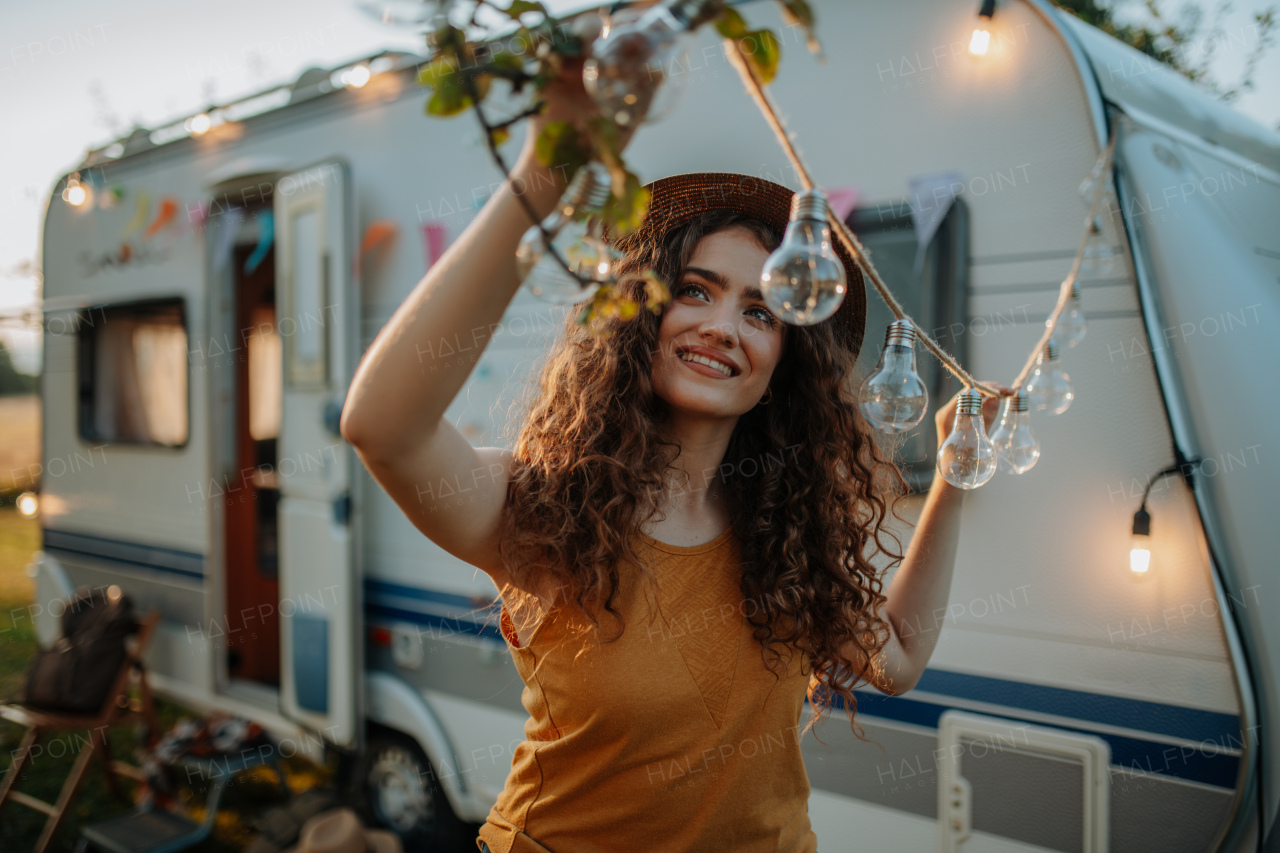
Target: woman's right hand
<point>566,99</point>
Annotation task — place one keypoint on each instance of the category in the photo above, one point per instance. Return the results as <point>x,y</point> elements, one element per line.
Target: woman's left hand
<point>946,416</point>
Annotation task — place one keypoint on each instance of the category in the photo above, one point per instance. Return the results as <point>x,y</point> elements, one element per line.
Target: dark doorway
<point>252,546</point>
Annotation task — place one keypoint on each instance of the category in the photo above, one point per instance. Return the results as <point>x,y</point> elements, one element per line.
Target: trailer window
<point>132,361</point>
<point>934,298</point>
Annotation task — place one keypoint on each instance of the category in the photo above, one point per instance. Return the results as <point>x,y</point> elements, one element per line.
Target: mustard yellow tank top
<point>667,739</point>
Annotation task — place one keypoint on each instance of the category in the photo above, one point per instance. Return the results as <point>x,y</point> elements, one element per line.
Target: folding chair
<point>151,830</point>
<point>117,709</point>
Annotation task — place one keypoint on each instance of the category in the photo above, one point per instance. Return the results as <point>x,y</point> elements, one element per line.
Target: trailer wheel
<point>402,793</point>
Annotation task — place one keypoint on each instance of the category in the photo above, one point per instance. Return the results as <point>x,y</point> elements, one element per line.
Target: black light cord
<point>1142,518</point>
<point>988,9</point>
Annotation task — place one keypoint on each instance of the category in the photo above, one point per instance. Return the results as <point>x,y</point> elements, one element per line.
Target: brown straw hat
<point>339,831</point>
<point>676,199</point>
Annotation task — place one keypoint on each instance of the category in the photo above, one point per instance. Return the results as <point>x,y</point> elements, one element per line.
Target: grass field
<point>19,442</point>
<point>251,793</point>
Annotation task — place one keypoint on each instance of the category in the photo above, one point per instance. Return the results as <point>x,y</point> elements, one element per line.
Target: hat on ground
<point>676,199</point>
<point>339,831</point>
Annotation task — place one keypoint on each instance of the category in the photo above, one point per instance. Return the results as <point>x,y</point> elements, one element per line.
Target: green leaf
<point>560,145</point>
<point>436,70</point>
<point>447,102</point>
<point>452,93</point>
<point>627,211</point>
<point>519,7</point>
<point>762,50</point>
<point>730,24</point>
<point>798,13</point>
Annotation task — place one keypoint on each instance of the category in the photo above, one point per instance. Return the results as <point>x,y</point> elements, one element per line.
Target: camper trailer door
<point>320,596</point>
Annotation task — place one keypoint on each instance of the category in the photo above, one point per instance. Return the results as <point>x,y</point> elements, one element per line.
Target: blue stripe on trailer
<point>380,587</point>
<point>1172,720</point>
<point>444,624</point>
<point>1136,756</point>
<point>186,564</point>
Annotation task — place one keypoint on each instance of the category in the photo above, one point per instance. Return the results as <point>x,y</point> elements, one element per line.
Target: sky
<point>76,74</point>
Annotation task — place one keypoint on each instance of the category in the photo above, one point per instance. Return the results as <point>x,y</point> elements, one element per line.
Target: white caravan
<point>207,304</point>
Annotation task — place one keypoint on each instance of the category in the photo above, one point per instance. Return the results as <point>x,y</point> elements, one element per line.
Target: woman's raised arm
<point>394,412</point>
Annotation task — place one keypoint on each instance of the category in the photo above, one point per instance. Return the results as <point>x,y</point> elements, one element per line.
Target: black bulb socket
<point>1142,522</point>
<point>988,9</point>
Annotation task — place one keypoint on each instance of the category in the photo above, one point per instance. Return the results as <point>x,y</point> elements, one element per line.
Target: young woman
<point>683,535</point>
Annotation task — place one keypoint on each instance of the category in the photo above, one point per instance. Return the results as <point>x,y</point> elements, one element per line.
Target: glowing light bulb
<point>1140,547</point>
<point>1049,387</point>
<point>1071,326</point>
<point>28,503</point>
<point>628,64</point>
<point>804,280</point>
<point>981,40</point>
<point>356,77</point>
<point>576,236</point>
<point>967,458</point>
<point>894,398</point>
<point>198,125</point>
<point>1017,449</point>
<point>1100,259</point>
<point>75,193</point>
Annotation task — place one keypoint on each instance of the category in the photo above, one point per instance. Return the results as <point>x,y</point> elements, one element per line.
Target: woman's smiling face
<point>718,312</point>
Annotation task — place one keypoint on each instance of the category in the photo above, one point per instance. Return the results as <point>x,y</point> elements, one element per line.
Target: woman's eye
<point>763,313</point>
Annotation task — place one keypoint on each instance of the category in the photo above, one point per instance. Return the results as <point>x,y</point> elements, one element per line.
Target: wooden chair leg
<point>69,789</point>
<point>19,761</point>
<point>108,768</point>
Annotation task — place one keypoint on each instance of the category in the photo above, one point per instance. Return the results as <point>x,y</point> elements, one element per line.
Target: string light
<point>1071,326</point>
<point>75,193</point>
<point>628,63</point>
<point>1049,388</point>
<point>981,39</point>
<point>199,124</point>
<point>894,398</point>
<point>1017,449</point>
<point>576,236</point>
<point>803,280</point>
<point>1140,545</point>
<point>967,458</point>
<point>1100,260</point>
<point>356,77</point>
<point>1140,548</point>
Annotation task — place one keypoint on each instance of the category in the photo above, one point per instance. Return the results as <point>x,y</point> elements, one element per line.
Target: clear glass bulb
<point>1017,449</point>
<point>1071,326</point>
<point>576,237</point>
<point>894,398</point>
<point>626,66</point>
<point>804,280</point>
<point>1100,259</point>
<point>1049,387</point>
<point>1090,185</point>
<point>967,458</point>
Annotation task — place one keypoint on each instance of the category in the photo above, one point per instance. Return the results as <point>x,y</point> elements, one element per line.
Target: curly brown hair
<point>590,462</point>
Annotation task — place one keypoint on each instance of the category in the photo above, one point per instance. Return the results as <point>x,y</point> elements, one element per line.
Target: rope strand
<point>859,253</point>
<point>1064,293</point>
<point>847,238</point>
